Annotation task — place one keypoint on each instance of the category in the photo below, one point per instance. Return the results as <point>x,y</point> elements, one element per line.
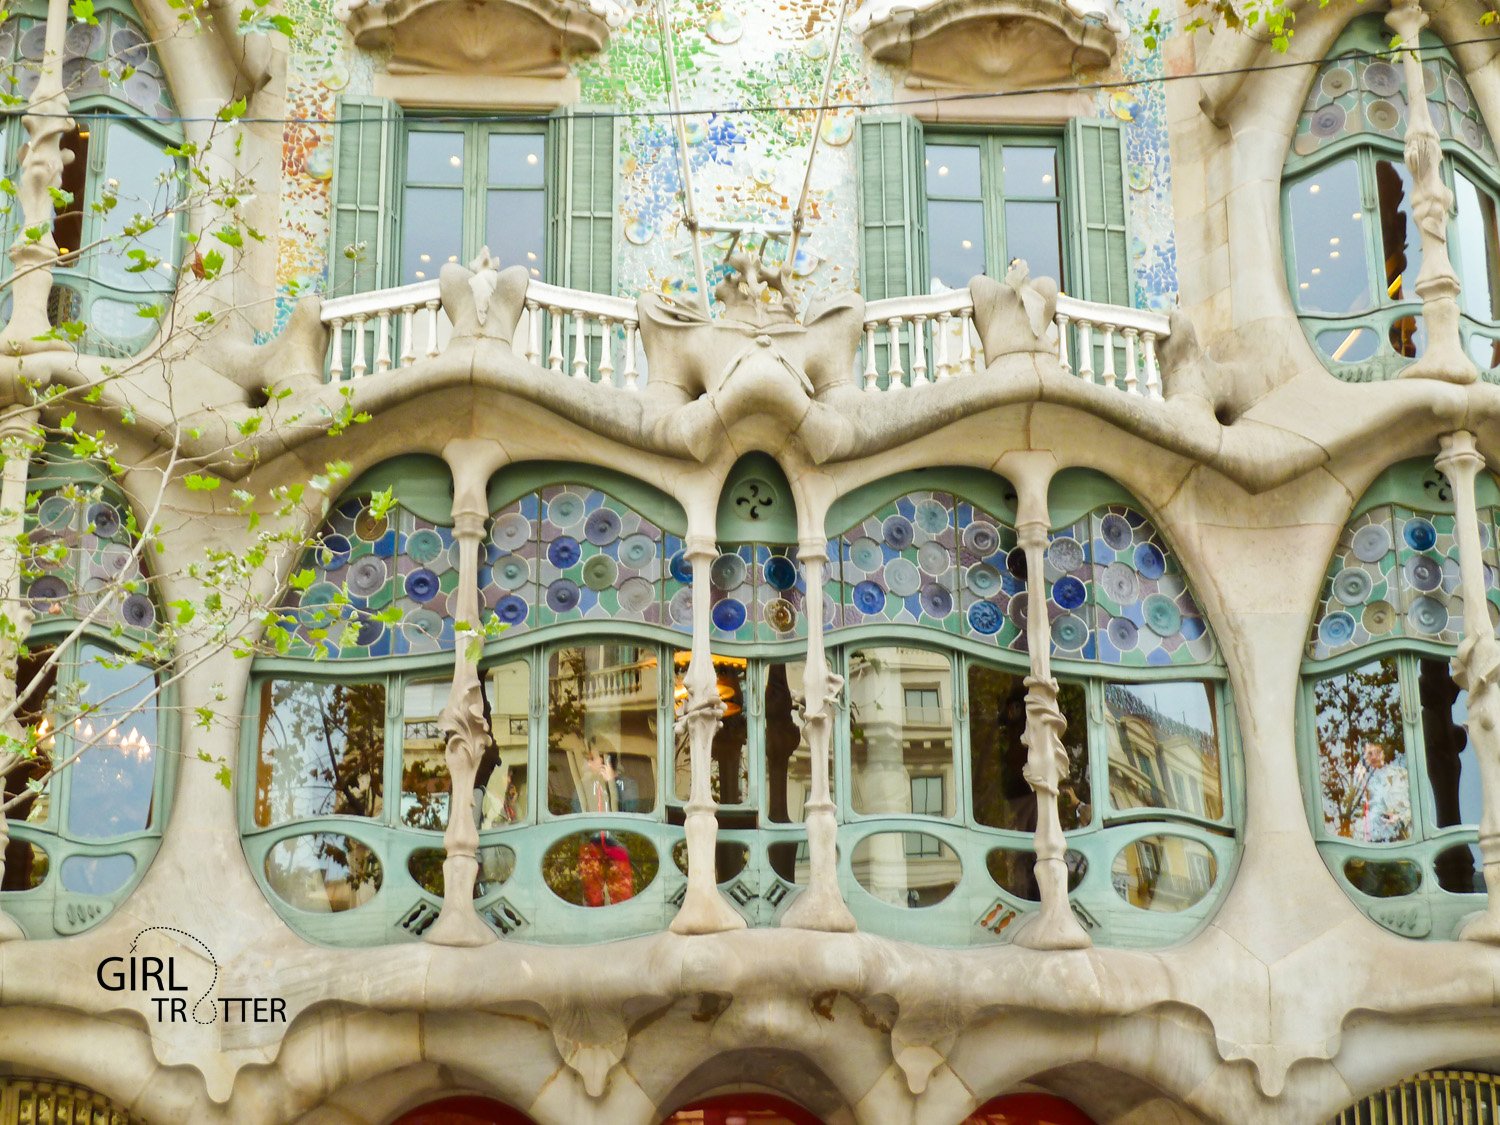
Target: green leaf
<point>197,482</point>
<point>303,579</point>
<point>83,12</point>
<point>233,111</point>
<point>230,236</point>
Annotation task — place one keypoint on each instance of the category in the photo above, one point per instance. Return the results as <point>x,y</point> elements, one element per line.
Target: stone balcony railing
<point>908,342</point>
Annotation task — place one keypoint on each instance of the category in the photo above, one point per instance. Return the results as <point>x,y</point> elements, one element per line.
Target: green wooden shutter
<point>892,208</point>
<point>1100,237</point>
<point>366,195</point>
<point>581,186</point>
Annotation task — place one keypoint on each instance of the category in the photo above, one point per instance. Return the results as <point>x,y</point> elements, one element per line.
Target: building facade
<point>922,563</point>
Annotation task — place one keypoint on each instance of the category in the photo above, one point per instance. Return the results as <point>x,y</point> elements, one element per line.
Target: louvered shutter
<point>366,196</point>
<point>581,235</point>
<point>1100,233</point>
<point>893,208</point>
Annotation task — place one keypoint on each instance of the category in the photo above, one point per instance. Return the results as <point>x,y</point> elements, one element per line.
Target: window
<point>1393,784</point>
<point>119,237</point>
<point>1353,248</point>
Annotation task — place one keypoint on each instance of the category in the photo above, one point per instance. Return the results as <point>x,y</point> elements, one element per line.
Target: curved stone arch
<point>389,1096</point>
<point>782,1072</point>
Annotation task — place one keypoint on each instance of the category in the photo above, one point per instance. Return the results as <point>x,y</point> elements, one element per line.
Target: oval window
<point>96,875</point>
<point>906,869</point>
<point>323,872</point>
<point>25,866</point>
<point>1013,871</point>
<point>1459,870</point>
<point>497,864</point>
<point>1164,873</point>
<point>730,858</point>
<point>1383,878</point>
<point>601,867</point>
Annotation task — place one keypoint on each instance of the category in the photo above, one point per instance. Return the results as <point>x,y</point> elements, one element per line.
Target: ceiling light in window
<point>114,184</point>
<point>1333,253</point>
<point>455,160</point>
<point>425,257</point>
<point>535,272</point>
<point>531,255</point>
<point>1316,270</point>
<point>1334,241</point>
<point>1313,189</point>
<point>967,245</point>
<point>942,169</point>
<point>420,274</point>
<point>453,257</point>
<point>1357,216</point>
<point>531,158</point>
<point>1047,179</point>
<point>1302,286</point>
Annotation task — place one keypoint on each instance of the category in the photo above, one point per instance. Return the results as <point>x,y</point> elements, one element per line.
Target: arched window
<point>931,632</point>
<point>1353,249</point>
<point>1453,1097</point>
<point>1392,785</point>
<point>87,803</point>
<point>348,785</point>
<point>119,236</point>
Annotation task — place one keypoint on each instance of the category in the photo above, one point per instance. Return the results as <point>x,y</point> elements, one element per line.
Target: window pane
<point>112,786</point>
<point>955,239</point>
<point>1033,234</point>
<point>424,768</point>
<point>901,731</point>
<point>516,160</point>
<point>788,760</point>
<point>133,164</point>
<point>67,229</point>
<point>1362,754</point>
<point>997,719</point>
<point>432,225</point>
<point>36,714</point>
<point>602,721</point>
<point>434,157</point>
<point>1401,242</point>
<point>1163,746</point>
<point>501,783</point>
<point>953,170</point>
<point>729,767</point>
<point>1329,243</point>
<point>1479,251</point>
<point>514,221</point>
<point>1452,765</point>
<point>322,751</point>
<point>1029,170</point>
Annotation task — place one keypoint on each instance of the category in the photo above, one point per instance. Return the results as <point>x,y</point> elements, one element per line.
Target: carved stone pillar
<point>820,906</point>
<point>1431,204</point>
<point>704,909</point>
<point>42,160</point>
<point>1054,925</point>
<point>1476,668</point>
<point>18,439</point>
<point>468,733</point>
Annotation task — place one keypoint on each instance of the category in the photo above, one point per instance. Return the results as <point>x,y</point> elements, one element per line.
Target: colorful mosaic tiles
<point>1116,594</point>
<point>572,553</point>
<point>759,593</point>
<point>79,553</point>
<point>1354,94</point>
<point>383,586</point>
<point>1395,574</point>
<point>933,559</point>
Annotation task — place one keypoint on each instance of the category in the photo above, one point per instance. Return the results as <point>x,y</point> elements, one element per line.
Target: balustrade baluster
<point>383,341</point>
<point>1085,350</point>
<point>1153,376</point>
<point>940,345</point>
<point>918,349</point>
<point>1062,344</point>
<point>336,362</point>
<point>895,378</point>
<point>1130,335</point>
<point>555,355</point>
<point>408,356</point>
<point>580,347</point>
<point>966,342</point>
<point>359,366</point>
<point>533,333</point>
<point>872,373</point>
<point>606,348</point>
<point>1108,374</point>
<point>632,382</point>
<point>432,308</point>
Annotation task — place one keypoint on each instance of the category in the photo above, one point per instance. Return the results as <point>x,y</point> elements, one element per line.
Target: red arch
<point>742,1109</point>
<point>1027,1109</point>
<point>463,1111</point>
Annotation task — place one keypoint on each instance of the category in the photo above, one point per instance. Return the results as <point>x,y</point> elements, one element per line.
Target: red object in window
<point>742,1109</point>
<point>463,1111</point>
<point>1027,1109</point>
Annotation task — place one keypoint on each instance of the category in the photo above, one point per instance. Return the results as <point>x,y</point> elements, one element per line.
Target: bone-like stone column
<point>820,906</point>
<point>18,439</point>
<point>42,160</point>
<point>1476,668</point>
<point>1432,204</point>
<point>464,724</point>
<point>704,910</point>
<point>1054,925</point>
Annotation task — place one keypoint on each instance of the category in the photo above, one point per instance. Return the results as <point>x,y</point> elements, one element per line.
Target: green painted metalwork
<point>1389,620</point>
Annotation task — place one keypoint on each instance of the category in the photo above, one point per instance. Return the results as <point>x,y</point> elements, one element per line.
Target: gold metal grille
<point>36,1101</point>
<point>1437,1097</point>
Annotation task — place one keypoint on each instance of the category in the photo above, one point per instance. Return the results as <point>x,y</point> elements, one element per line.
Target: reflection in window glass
<point>1478,246</point>
<point>1164,873</point>
<point>953,172</point>
<point>26,866</point>
<point>515,202</point>
<point>321,750</point>
<point>1452,764</point>
<point>955,238</point>
<point>34,806</point>
<point>429,235</point>
<point>1163,746</point>
<point>500,786</point>
<point>424,767</point>
<point>901,731</point>
<point>1332,273</point>
<point>1362,772</point>
<point>788,760</point>
<point>600,867</point>
<point>906,869</point>
<point>1348,345</point>
<point>96,874</point>
<point>729,766</point>
<point>602,729</point>
<point>1034,234</point>
<point>112,786</point>
<point>1401,242</point>
<point>323,872</point>
<point>134,166</point>
<point>435,156</point>
<point>997,719</point>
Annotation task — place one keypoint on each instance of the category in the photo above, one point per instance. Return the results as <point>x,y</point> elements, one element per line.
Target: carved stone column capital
<point>1458,454</point>
<point>1032,534</point>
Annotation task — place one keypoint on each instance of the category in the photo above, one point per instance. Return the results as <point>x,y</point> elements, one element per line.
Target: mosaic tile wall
<point>79,549</point>
<point>731,54</point>
<point>1395,574</point>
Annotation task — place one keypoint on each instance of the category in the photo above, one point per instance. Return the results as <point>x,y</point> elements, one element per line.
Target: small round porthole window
<point>600,867</point>
<point>754,499</point>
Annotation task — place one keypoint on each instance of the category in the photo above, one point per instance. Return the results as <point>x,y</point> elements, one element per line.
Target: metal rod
<point>689,217</point>
<point>833,60</point>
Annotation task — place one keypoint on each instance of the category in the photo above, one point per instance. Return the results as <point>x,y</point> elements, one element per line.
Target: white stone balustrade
<point>582,335</point>
<point>910,341</point>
